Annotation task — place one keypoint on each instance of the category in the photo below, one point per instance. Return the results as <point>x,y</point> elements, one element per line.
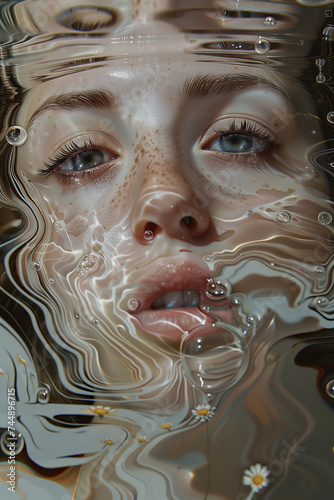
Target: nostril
<point>188,221</point>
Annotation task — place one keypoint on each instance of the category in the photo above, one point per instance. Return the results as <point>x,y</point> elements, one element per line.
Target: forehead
<point>155,82</point>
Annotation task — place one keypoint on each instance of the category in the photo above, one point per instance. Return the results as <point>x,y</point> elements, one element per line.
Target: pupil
<point>87,159</point>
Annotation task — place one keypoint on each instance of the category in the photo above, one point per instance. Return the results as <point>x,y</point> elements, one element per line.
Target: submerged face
<point>181,214</point>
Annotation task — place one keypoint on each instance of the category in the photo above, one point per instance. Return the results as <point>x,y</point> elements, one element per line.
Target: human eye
<point>75,163</point>
<point>241,139</point>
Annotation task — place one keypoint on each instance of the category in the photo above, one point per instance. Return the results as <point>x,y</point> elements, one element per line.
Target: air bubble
<point>269,21</point>
<point>43,395</point>
<point>16,135</point>
<point>325,218</point>
<point>320,270</point>
<point>330,388</point>
<point>214,361</point>
<point>7,441</point>
<point>250,212</point>
<point>133,305</point>
<point>330,117</point>
<point>320,303</point>
<point>51,281</point>
<point>320,78</point>
<point>236,301</point>
<point>95,321</point>
<point>148,235</point>
<point>283,217</point>
<point>58,225</point>
<point>262,45</point>
<point>76,316</point>
<point>37,265</point>
<point>215,290</point>
<point>328,33</point>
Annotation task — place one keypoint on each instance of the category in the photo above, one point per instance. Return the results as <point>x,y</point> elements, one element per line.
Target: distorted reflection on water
<point>166,251</point>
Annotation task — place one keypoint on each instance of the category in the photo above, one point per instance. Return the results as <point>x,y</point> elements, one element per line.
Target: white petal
<point>247,481</point>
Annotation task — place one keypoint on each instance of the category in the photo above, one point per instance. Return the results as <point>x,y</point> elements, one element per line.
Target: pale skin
<point>200,157</point>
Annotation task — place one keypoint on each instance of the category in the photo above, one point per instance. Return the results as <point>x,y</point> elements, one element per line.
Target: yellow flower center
<point>166,426</point>
<point>257,480</point>
<point>101,411</point>
<point>141,440</point>
<point>202,411</point>
<point>108,441</point>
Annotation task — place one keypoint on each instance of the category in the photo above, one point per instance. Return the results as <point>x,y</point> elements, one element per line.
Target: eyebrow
<point>202,85</point>
<point>92,99</point>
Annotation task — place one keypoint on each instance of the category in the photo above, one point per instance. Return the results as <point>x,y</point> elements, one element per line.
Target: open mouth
<point>177,299</point>
<point>171,300</point>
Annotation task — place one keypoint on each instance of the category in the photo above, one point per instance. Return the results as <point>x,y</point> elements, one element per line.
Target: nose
<point>172,210</point>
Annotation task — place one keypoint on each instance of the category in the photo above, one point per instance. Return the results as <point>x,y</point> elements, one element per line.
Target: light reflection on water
<point>167,229</point>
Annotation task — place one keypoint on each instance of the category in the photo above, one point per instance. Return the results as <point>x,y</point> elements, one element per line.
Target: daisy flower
<point>256,477</point>
<point>203,412</point>
<point>101,411</point>
<point>166,426</point>
<point>141,439</point>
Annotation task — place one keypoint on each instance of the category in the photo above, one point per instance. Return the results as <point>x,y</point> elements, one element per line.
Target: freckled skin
<point>161,159</point>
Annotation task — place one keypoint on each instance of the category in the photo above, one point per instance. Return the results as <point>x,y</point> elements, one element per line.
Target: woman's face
<point>179,205</point>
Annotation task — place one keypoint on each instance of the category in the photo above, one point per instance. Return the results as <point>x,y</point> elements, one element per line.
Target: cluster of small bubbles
<point>37,265</point>
<point>330,117</point>
<point>269,21</point>
<point>320,302</point>
<point>133,305</point>
<point>320,270</point>
<point>6,443</point>
<point>262,45</point>
<point>325,218</point>
<point>148,235</point>
<point>215,289</point>
<point>251,319</point>
<point>88,264</point>
<point>16,135</point>
<point>43,395</point>
<point>237,45</point>
<point>250,212</point>
<point>330,388</point>
<point>95,321</point>
<point>58,225</point>
<point>283,217</point>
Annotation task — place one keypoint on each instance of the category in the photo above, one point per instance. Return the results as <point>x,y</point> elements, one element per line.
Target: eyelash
<point>253,130</point>
<point>66,153</point>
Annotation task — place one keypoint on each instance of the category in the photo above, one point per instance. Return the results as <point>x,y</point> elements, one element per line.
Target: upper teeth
<point>177,298</point>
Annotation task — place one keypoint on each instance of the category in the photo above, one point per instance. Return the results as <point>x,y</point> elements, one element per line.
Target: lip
<point>173,323</point>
